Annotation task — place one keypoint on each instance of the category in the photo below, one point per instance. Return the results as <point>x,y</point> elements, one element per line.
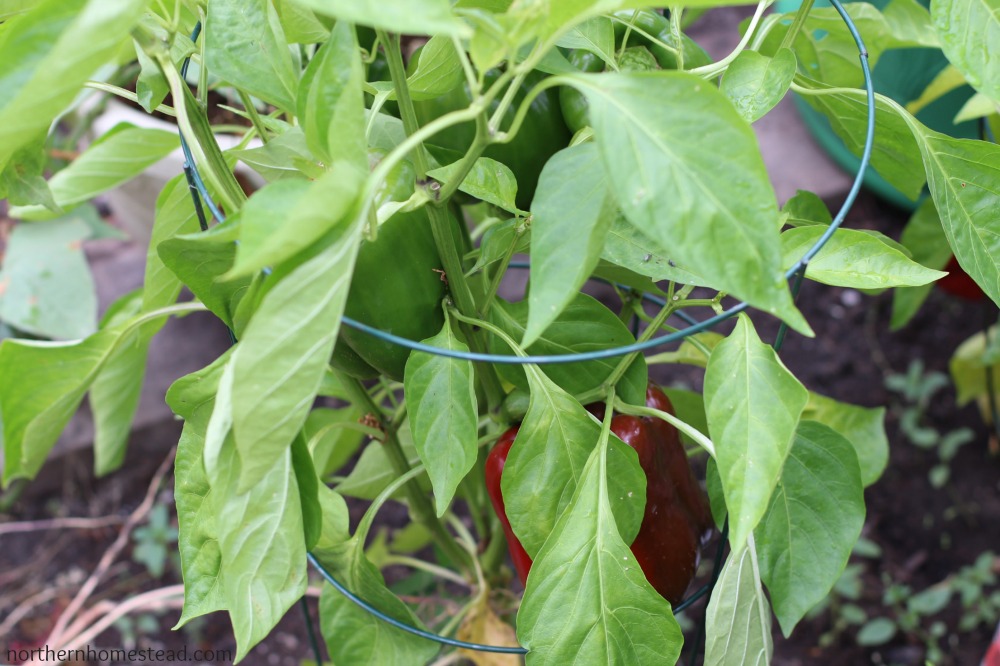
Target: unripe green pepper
<point>542,134</point>
<point>572,102</point>
<point>655,24</point>
<point>397,286</point>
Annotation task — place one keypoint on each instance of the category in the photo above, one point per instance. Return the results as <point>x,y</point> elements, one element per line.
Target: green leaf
<point>47,54</point>
<point>331,103</point>
<point>825,47</point>
<point>863,427</point>
<point>587,600</point>
<point>738,619</point>
<point>488,180</point>
<point>753,404</point>
<point>245,45</point>
<point>284,156</point>
<point>584,325</point>
<point>300,24</point>
<point>288,216</point>
<point>852,258</point>
<point>308,486</point>
<point>969,367</point>
<point>260,539</point>
<point>924,237</point>
<point>412,17</point>
<point>332,446</point>
<point>596,35</point>
<point>628,246</point>
<point>501,239</point>
<point>114,395</point>
<point>806,209</point>
<point>175,215</point>
<point>546,464</point>
<point>46,287</point>
<point>816,514</point>
<point>441,405</point>
<point>283,353</point>
<point>877,631</point>
<point>690,408</point>
<point>895,155</point>
<point>572,211</point>
<point>930,601</point>
<point>12,8</point>
<point>756,83</point>
<point>118,156</point>
<point>151,87</point>
<point>910,22</point>
<point>439,70</point>
<point>200,259</point>
<point>662,161</point>
<point>355,636</point>
<point>193,398</point>
<point>964,179</point>
<point>41,386</point>
<point>690,353</point>
<point>373,471</point>
<point>969,31</point>
<point>23,182</point>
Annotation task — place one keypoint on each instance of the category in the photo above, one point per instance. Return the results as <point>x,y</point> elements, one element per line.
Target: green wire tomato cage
<point>795,274</point>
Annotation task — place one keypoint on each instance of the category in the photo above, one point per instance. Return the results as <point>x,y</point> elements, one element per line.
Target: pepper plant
<point>398,190</point>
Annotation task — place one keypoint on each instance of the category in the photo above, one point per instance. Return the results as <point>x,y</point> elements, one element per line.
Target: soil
<point>924,534</point>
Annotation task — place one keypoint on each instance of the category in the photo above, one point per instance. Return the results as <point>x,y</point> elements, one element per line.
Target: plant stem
<point>675,30</point>
<point>258,124</point>
<point>651,330</point>
<point>690,431</point>
<point>430,568</point>
<point>716,68</point>
<point>800,18</point>
<point>420,505</point>
<point>440,219</point>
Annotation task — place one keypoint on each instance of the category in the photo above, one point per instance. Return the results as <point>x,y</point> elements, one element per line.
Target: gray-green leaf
<point>46,287</point>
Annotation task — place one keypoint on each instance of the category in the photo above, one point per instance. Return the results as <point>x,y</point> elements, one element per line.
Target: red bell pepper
<point>677,519</point>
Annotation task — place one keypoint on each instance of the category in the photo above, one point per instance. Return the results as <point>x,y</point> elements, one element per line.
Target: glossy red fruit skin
<point>677,518</point>
<point>494,470</point>
<point>667,546</point>
<point>958,283</point>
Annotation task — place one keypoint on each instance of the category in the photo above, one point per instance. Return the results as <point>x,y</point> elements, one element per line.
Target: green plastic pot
<point>901,74</point>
